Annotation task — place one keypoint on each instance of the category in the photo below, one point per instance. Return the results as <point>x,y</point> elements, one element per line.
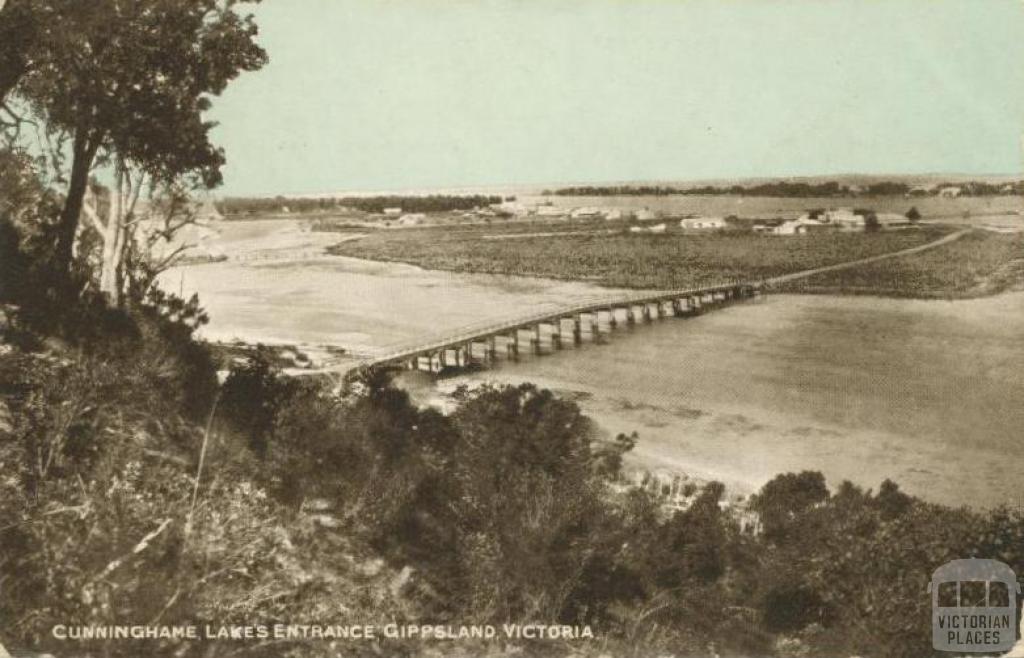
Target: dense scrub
<point>980,263</point>
<point>242,206</point>
<point>363,508</point>
<point>668,260</point>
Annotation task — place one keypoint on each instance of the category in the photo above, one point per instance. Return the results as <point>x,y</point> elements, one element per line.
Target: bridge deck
<point>499,327</point>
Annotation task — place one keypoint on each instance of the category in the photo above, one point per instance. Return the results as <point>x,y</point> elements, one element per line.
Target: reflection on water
<point>928,393</point>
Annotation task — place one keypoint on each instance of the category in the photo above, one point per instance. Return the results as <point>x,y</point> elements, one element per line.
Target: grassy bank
<point>622,259</point>
<point>981,263</point>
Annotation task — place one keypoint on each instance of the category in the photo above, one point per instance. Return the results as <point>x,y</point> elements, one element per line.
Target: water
<point>928,393</point>
<point>360,305</point>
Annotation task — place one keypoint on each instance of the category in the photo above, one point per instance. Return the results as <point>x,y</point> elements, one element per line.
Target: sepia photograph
<point>511,328</point>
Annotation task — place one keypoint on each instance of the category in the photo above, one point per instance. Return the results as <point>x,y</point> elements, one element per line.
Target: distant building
<point>657,228</point>
<point>843,219</point>
<point>392,212</point>
<point>579,213</point>
<point>799,226</point>
<point>550,211</point>
<point>951,192</point>
<point>703,223</point>
<point>613,214</point>
<point>645,214</point>
<point>766,227</point>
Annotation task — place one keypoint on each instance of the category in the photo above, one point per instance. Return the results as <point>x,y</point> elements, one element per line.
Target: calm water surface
<point>928,393</point>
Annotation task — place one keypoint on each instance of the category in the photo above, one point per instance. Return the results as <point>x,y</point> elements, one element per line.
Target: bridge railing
<point>589,304</point>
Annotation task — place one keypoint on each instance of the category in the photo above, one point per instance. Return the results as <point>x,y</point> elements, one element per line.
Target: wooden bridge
<point>591,318</point>
<point>552,329</point>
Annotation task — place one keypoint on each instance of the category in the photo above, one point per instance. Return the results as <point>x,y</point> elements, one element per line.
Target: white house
<point>803,224</point>
<point>694,223</point>
<point>951,192</point>
<point>550,211</point>
<point>657,228</point>
<point>579,213</point>
<point>844,219</point>
<point>645,214</point>
<point>766,227</point>
<point>612,214</point>
<point>392,212</point>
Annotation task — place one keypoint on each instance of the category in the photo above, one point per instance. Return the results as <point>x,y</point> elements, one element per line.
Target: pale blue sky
<point>370,94</point>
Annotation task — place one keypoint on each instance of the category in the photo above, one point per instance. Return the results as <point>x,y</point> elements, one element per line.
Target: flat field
<point>611,256</point>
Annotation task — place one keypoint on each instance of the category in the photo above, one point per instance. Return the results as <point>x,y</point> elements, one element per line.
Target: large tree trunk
<point>83,155</point>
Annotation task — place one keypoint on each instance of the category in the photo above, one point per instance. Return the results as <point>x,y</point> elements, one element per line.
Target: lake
<point>928,393</point>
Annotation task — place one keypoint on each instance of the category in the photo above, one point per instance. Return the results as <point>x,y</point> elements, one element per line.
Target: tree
<point>21,27</point>
<point>784,499</point>
<point>130,84</point>
<point>913,214</point>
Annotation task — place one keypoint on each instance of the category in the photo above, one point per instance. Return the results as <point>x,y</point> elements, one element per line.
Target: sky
<point>424,94</point>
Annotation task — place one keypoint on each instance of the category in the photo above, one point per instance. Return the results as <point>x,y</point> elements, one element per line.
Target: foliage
<point>510,509</point>
<point>786,498</point>
<point>372,204</point>
<point>979,263</point>
<point>98,522</point>
<point>132,81</point>
<point>671,260</point>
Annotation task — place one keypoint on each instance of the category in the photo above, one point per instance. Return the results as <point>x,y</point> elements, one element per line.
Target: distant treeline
<point>796,189</point>
<point>371,204</point>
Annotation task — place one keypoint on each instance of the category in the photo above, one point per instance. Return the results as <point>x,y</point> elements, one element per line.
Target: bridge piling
<point>464,349</point>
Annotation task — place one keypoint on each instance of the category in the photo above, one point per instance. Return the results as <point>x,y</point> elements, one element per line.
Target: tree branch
<point>141,546</point>
<point>93,217</point>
